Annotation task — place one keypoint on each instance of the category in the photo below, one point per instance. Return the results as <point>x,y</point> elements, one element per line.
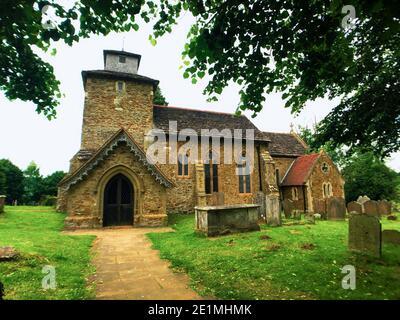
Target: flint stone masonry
<point>219,220</point>
<point>336,208</point>
<point>371,208</point>
<point>365,234</point>
<point>391,236</point>
<point>354,207</point>
<point>2,203</point>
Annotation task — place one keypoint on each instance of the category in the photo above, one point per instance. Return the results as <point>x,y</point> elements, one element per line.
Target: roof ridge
<point>287,133</point>
<point>198,110</point>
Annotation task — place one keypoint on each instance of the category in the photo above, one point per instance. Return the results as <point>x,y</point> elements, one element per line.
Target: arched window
<point>295,193</point>
<point>211,173</point>
<point>243,172</point>
<point>327,190</point>
<point>183,165</point>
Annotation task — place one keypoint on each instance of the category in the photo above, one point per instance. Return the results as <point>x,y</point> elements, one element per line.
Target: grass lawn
<point>35,232</point>
<point>297,262</point>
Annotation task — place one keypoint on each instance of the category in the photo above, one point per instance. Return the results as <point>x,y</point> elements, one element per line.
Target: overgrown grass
<point>35,233</point>
<point>297,262</point>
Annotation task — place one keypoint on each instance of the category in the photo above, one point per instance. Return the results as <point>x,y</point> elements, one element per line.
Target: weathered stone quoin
<point>114,181</point>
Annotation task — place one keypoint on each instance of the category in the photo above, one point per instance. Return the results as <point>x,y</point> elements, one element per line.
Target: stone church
<point>112,181</point>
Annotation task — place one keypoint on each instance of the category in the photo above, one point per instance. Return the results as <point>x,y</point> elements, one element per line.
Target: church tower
<point>116,97</point>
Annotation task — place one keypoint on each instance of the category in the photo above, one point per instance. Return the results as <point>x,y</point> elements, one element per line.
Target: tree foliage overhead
<point>337,154</point>
<point>299,48</point>
<point>11,181</point>
<point>366,174</point>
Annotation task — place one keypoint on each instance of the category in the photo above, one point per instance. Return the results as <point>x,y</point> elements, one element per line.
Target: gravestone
<point>2,203</point>
<point>371,208</point>
<point>365,234</point>
<point>362,199</point>
<point>288,207</point>
<point>391,236</point>
<point>260,200</point>
<point>272,209</point>
<point>336,209</point>
<point>354,207</point>
<point>384,207</point>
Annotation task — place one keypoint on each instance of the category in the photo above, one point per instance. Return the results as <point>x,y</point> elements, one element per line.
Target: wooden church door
<point>118,202</point>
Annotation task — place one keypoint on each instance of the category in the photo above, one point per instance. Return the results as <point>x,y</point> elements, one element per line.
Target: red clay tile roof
<point>300,170</point>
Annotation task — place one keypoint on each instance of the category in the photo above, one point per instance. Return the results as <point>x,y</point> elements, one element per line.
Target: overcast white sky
<point>26,135</point>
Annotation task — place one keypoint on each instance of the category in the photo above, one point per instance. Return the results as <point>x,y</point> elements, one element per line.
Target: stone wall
<point>287,194</point>
<point>106,111</point>
<point>318,177</point>
<point>183,197</point>
<point>84,204</point>
<point>283,164</point>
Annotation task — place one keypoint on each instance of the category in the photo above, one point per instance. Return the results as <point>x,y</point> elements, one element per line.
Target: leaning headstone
<point>391,236</point>
<point>362,199</point>
<point>384,207</point>
<point>288,207</point>
<point>371,208</point>
<point>365,234</point>
<point>354,207</point>
<point>2,203</point>
<point>336,208</point>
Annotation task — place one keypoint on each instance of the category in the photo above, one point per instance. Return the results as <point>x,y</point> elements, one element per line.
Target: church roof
<point>121,136</point>
<point>108,74</point>
<point>285,144</point>
<point>200,119</point>
<point>300,170</point>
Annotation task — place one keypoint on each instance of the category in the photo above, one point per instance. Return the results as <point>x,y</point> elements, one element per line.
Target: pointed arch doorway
<point>118,202</point>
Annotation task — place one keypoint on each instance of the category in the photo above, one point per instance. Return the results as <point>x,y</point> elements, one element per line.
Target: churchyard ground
<point>36,233</point>
<point>289,262</point>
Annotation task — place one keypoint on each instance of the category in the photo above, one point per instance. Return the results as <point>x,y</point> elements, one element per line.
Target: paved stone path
<point>128,268</point>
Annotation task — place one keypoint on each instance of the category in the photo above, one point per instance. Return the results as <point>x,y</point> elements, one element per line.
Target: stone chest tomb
<point>219,220</point>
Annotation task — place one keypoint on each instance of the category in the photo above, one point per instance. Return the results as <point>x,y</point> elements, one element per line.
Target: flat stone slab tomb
<point>225,219</point>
